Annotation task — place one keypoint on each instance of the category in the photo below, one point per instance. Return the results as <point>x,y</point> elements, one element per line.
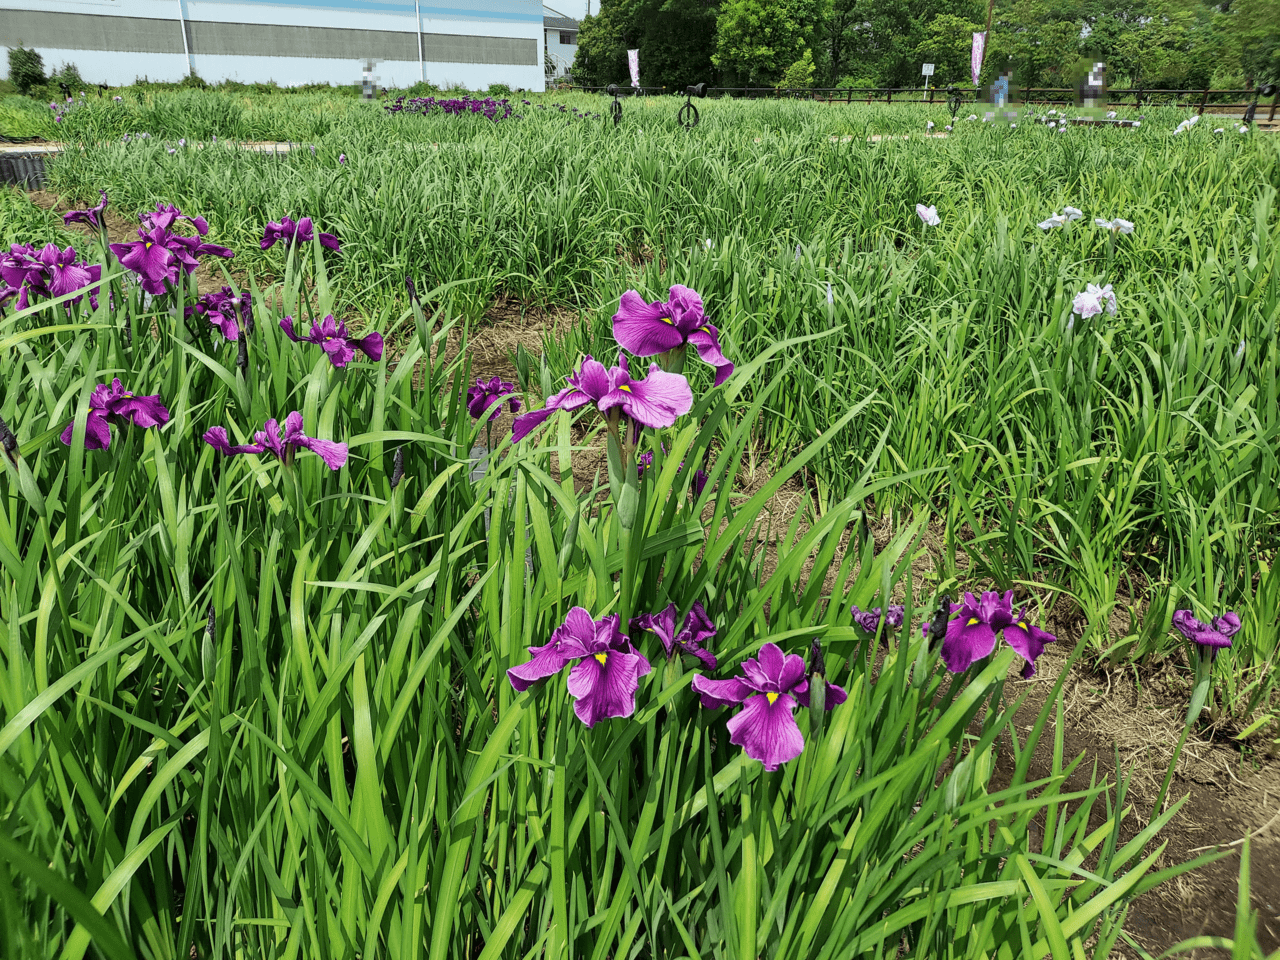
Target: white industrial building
<point>471,43</point>
<point>562,41</point>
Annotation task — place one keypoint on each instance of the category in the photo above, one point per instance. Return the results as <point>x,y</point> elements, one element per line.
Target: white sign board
<point>926,70</point>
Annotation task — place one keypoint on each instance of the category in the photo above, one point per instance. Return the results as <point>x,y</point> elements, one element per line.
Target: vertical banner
<point>633,63</point>
<point>975,59</point>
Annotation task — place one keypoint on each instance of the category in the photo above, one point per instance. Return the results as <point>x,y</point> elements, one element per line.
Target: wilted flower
<point>116,405</point>
<point>228,311</point>
<point>92,216</point>
<point>928,214</point>
<point>282,443</point>
<point>972,635</point>
<point>607,675</point>
<point>668,328</point>
<point>655,401</point>
<point>869,620</point>
<point>291,233</point>
<point>485,394</point>
<point>1094,300</point>
<point>769,690</point>
<point>332,336</point>
<point>1216,633</point>
<point>697,629</point>
<point>1118,225</point>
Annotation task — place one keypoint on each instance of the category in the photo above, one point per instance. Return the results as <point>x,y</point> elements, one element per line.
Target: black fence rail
<point>1238,99</point>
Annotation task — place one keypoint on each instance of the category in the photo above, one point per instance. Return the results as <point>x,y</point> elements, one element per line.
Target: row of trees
<point>797,43</point>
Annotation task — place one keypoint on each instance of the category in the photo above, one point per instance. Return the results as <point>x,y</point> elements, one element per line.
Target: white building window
<point>568,38</point>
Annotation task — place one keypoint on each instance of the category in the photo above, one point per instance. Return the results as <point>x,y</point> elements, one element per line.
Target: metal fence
<point>1031,96</point>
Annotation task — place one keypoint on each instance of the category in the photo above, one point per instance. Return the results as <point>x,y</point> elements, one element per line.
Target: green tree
<point>948,44</point>
<point>757,40</point>
<point>675,40</point>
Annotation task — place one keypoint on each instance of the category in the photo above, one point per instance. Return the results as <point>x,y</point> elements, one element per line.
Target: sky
<point>574,8</point>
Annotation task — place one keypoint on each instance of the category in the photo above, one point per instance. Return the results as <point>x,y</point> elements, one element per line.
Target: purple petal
<point>142,411</point>
<point>1228,624</point>
<point>547,661</point>
<point>766,729</point>
<point>340,351</point>
<point>645,329</point>
<point>792,678</point>
<point>577,634</point>
<point>662,623</point>
<point>684,306</point>
<point>699,625</point>
<point>706,340</point>
<point>216,437</point>
<point>329,240</point>
<point>604,685</point>
<point>593,379</point>
<point>371,345</point>
<point>967,640</point>
<point>655,401</point>
<point>1028,639</point>
<point>570,398</point>
<point>720,693</point>
<point>332,453</point>
<point>97,433</point>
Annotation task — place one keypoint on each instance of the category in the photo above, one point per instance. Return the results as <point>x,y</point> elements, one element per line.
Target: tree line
<point>873,43</point>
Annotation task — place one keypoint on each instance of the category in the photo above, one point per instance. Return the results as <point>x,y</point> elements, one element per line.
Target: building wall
<point>468,42</point>
<point>558,49</point>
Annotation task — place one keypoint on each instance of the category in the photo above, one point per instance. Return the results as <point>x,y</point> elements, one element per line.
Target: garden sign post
<point>927,72</point>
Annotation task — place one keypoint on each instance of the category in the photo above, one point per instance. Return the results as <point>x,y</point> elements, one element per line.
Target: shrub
<point>26,68</point>
<point>499,90</point>
<point>800,74</point>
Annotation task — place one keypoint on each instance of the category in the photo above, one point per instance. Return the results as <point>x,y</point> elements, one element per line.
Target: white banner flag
<point>633,63</point>
<point>975,60</point>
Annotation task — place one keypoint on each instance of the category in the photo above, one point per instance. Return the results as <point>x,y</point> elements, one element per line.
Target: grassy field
<point>258,708</point>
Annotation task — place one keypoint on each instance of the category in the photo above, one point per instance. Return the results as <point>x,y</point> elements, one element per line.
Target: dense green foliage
<point>1152,43</point>
<point>26,68</point>
<point>259,710</point>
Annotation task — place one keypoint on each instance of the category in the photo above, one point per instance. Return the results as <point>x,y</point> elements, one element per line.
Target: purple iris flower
<point>643,463</point>
<point>227,311</point>
<point>114,404</point>
<point>697,629</point>
<point>291,233</point>
<point>649,329</point>
<point>655,401</point>
<point>490,393</point>
<point>1217,633</point>
<point>869,620</point>
<point>166,215</point>
<point>48,272</point>
<point>607,675</point>
<point>331,335</point>
<point>769,690</point>
<point>972,634</point>
<point>158,254</point>
<point>283,443</point>
<point>93,216</point>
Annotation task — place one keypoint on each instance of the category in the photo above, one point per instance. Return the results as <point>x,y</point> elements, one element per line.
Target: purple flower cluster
<point>292,233</point>
<point>114,404</point>
<point>48,272</point>
<point>493,109</point>
<point>229,312</point>
<point>490,393</point>
<point>159,253</point>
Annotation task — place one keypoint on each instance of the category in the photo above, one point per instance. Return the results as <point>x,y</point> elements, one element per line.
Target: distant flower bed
<point>495,110</point>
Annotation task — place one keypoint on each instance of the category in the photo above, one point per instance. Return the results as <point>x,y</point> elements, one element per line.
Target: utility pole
<point>986,36</point>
